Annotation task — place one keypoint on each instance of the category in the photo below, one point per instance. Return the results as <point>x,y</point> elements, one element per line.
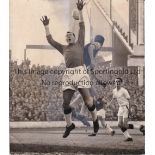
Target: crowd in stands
<point>31,100</point>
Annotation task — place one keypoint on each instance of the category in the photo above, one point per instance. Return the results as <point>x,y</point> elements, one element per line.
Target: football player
<point>73,54</point>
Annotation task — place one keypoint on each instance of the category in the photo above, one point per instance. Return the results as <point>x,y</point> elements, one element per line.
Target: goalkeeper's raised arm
<point>80,4</point>
<point>81,37</point>
<point>45,20</point>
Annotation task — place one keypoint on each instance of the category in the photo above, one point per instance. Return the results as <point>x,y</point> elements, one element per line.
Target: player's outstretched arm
<point>45,20</point>
<point>91,54</point>
<point>80,4</point>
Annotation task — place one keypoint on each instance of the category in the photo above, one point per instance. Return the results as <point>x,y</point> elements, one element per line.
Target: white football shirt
<point>122,96</point>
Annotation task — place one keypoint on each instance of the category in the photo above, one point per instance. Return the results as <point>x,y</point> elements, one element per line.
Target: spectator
<point>32,101</point>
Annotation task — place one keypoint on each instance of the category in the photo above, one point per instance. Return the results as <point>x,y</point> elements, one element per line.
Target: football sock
<point>125,132</point>
<point>68,119</point>
<point>94,115</point>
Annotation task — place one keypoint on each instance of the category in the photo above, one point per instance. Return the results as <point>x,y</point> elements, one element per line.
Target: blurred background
<point>120,22</point>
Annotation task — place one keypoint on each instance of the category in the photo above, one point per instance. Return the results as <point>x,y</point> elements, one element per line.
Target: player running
<point>101,114</point>
<point>73,54</point>
<point>90,52</point>
<point>122,96</point>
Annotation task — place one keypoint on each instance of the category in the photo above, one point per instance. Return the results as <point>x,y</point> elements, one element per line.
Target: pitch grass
<point>61,153</point>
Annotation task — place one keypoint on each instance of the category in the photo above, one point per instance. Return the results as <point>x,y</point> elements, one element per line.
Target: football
<point>75,14</point>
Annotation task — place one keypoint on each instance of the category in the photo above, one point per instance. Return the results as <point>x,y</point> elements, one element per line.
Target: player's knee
<point>66,100</point>
<point>88,101</point>
<point>67,109</point>
<point>90,104</point>
<point>91,108</point>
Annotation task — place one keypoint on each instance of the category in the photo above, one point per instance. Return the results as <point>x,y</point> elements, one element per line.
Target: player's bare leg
<point>88,100</point>
<point>67,96</point>
<point>123,124</point>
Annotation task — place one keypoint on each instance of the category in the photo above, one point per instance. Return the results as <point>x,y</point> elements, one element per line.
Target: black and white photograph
<point>77,77</point>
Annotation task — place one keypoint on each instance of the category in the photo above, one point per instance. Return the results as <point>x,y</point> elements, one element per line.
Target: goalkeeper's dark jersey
<point>72,53</point>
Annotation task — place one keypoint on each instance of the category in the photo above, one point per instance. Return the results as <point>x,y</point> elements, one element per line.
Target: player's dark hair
<point>99,39</point>
<point>121,80</point>
<point>72,33</point>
